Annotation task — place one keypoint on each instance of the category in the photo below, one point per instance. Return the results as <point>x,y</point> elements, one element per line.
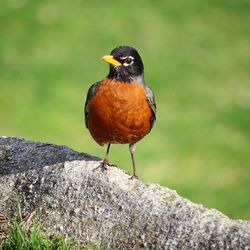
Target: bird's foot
<point>103,166</point>
<point>133,177</point>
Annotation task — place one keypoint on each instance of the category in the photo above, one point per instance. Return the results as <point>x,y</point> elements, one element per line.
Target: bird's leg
<point>132,152</point>
<point>105,161</point>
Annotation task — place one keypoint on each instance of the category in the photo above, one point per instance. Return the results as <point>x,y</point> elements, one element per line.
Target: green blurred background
<point>197,61</point>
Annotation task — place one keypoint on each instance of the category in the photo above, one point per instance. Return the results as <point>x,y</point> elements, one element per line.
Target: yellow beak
<point>111,60</point>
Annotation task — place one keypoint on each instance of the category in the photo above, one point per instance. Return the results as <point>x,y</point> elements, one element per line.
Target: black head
<point>125,64</point>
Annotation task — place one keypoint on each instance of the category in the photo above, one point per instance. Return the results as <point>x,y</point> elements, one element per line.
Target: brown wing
<point>90,94</point>
<point>151,102</point>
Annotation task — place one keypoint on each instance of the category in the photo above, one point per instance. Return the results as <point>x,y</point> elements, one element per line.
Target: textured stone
<point>106,208</point>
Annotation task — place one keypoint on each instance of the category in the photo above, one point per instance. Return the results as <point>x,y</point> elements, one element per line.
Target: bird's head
<point>125,64</point>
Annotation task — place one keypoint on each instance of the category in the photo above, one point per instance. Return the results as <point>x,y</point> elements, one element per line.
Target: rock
<point>106,208</point>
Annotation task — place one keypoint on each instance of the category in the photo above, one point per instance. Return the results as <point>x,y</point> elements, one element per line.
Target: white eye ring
<point>131,60</point>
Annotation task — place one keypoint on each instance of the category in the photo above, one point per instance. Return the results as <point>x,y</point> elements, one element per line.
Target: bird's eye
<point>128,61</point>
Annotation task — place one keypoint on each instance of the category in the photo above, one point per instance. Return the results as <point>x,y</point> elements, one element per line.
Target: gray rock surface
<point>106,208</point>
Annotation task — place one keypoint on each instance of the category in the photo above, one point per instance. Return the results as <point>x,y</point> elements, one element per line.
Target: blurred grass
<point>26,234</point>
<point>197,60</point>
<point>34,239</point>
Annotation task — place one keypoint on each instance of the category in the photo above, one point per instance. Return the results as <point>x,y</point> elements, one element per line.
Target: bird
<point>121,108</point>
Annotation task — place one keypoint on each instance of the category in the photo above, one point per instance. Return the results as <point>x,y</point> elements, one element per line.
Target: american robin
<point>120,108</point>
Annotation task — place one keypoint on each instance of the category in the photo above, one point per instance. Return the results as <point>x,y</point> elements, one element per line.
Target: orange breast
<point>118,113</point>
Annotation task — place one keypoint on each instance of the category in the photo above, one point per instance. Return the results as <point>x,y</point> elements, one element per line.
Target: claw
<point>133,177</point>
<point>103,166</point>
